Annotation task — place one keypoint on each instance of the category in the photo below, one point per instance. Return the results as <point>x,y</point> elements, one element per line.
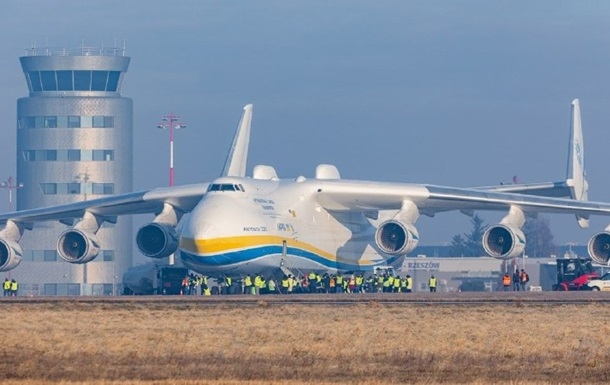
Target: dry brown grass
<point>148,343</point>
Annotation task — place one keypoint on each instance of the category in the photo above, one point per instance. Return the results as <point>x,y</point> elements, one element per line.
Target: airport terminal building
<point>74,142</point>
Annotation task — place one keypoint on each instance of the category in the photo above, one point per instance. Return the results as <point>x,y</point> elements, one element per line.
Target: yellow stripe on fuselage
<point>227,244</point>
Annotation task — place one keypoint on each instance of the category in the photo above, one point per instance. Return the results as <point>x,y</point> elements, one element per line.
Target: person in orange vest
<point>524,278</point>
<point>506,282</point>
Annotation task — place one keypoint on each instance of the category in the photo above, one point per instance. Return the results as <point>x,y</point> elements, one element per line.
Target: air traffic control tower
<point>74,143</point>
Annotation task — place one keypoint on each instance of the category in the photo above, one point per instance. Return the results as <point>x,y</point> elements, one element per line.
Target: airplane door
<point>284,248</point>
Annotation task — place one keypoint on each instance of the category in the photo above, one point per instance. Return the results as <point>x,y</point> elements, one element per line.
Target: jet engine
<point>78,246</point>
<point>394,237</point>
<point>10,255</point>
<point>599,247</point>
<point>157,240</point>
<point>503,241</point>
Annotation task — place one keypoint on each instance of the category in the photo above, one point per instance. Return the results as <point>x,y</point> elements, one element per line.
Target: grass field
<point>370,343</point>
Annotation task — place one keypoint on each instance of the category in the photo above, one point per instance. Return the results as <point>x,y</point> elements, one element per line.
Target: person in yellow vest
<point>432,284</point>
<point>228,283</point>
<point>285,284</point>
<point>379,283</point>
<point>359,283</point>
<point>506,282</point>
<point>339,283</point>
<point>386,283</point>
<point>312,282</point>
<point>14,288</point>
<point>7,287</point>
<point>396,284</point>
<point>256,289</point>
<point>262,287</point>
<point>248,285</point>
<point>271,286</point>
<point>203,281</point>
<point>409,284</point>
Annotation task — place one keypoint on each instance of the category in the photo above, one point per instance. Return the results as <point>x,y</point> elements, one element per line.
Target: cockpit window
<point>225,187</point>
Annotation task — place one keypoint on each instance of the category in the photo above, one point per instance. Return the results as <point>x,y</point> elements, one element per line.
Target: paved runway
<point>397,299</point>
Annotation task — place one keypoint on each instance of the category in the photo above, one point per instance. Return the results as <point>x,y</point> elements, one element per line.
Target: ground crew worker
<point>248,284</point>
<point>256,289</point>
<point>359,282</point>
<point>506,282</point>
<point>432,284</point>
<point>379,283</point>
<point>524,278</point>
<point>262,287</point>
<point>7,287</point>
<point>312,279</point>
<point>285,284</point>
<point>516,280</point>
<point>397,284</point>
<point>203,283</point>
<point>271,286</point>
<point>229,283</point>
<point>14,287</point>
<point>409,284</point>
<point>339,283</point>
<point>319,284</point>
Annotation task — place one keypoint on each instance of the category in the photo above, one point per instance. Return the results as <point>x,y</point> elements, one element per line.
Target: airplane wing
<point>345,195</point>
<point>547,189</point>
<point>182,198</point>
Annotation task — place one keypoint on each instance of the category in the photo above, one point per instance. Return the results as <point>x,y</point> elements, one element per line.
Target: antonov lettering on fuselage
<point>238,225</point>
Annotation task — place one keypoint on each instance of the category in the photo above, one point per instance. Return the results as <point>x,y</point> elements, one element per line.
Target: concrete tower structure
<point>74,142</point>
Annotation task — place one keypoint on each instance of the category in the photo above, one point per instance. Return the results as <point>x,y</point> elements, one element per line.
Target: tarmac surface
<point>549,298</point>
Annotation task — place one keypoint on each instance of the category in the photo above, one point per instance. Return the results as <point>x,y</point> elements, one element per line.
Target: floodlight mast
<point>10,185</point>
<point>171,122</point>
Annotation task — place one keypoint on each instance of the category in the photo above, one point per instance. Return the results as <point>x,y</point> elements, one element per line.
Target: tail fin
<point>576,179</point>
<point>235,165</point>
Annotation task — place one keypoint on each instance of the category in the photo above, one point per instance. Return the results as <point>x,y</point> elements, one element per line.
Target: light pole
<point>10,185</point>
<point>171,122</point>
<point>83,180</point>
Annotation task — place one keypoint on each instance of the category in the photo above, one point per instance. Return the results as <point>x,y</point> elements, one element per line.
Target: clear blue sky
<point>459,93</point>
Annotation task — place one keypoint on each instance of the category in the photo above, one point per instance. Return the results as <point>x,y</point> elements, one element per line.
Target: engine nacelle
<point>503,242</point>
<point>394,237</point>
<point>599,247</point>
<point>78,246</point>
<point>157,240</point>
<point>10,255</point>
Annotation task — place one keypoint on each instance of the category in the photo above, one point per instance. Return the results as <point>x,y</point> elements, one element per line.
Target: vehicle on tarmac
<point>601,284</point>
<point>574,274</point>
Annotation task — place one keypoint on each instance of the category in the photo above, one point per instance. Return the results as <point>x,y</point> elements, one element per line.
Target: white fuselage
<point>264,224</point>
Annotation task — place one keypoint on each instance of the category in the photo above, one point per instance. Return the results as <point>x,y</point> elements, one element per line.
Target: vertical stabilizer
<point>576,177</point>
<point>235,165</point>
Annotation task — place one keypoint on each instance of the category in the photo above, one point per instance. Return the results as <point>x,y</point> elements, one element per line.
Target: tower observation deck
<point>74,142</point>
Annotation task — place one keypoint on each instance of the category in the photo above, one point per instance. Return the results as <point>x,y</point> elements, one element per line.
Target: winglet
<point>235,165</point>
<point>576,178</point>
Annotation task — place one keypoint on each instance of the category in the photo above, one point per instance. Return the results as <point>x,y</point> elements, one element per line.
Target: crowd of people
<point>308,283</point>
<point>11,287</point>
<point>518,281</point>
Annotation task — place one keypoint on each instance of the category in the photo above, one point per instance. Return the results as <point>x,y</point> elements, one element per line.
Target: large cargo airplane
<point>243,225</point>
